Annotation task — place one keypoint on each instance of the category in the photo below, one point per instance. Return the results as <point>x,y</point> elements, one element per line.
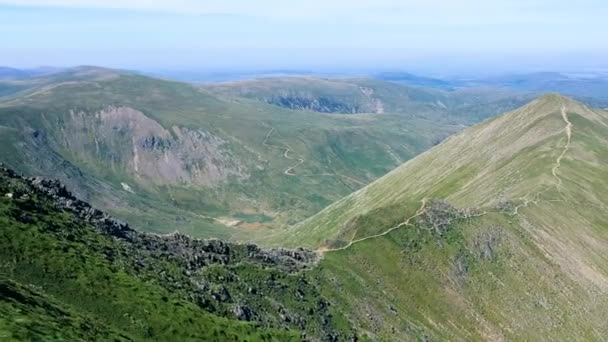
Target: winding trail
<point>286,149</point>
<point>526,200</point>
<point>554,170</point>
<point>419,212</point>
<point>289,171</point>
<point>558,161</point>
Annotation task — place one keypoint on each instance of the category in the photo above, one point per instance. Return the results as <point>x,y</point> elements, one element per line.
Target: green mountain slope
<point>165,154</point>
<point>347,96</point>
<point>510,157</point>
<point>28,315</point>
<point>497,233</point>
<point>71,272</point>
<point>361,95</point>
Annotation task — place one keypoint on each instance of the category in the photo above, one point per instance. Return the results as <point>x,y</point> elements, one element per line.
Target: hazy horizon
<point>427,37</point>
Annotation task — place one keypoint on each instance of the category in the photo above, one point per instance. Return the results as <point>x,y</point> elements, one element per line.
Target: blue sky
<point>432,35</point>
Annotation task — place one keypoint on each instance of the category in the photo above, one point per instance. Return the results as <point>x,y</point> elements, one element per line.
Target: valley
<point>522,236</point>
<point>487,231</point>
<point>306,171</point>
<point>167,155</point>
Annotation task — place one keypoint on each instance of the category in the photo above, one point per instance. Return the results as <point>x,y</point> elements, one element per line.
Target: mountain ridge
<point>548,108</point>
<point>135,146</point>
<point>554,172</point>
<point>493,234</point>
<point>497,233</point>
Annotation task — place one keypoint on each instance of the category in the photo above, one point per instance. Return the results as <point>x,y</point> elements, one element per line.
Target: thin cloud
<point>241,7</point>
<point>442,11</point>
<point>284,8</point>
<point>275,32</point>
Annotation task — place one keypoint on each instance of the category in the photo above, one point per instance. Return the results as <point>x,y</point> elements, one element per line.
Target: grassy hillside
<point>166,155</point>
<point>497,233</point>
<point>347,96</point>
<point>70,272</point>
<point>361,95</point>
<point>504,158</point>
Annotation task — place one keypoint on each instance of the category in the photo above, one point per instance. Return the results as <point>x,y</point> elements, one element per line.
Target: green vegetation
<point>66,277</point>
<point>359,95</point>
<point>167,155</point>
<point>496,233</point>
<point>514,250</point>
<point>27,315</point>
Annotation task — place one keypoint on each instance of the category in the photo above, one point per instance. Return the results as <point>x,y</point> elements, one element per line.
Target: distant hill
<point>12,73</point>
<point>592,87</point>
<point>166,154</point>
<point>406,78</point>
<point>498,233</point>
<point>6,72</point>
<point>346,96</point>
<point>362,95</point>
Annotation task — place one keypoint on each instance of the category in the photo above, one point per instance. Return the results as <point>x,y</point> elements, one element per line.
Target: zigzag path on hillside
<point>526,203</point>
<point>289,171</point>
<point>286,149</point>
<point>554,171</point>
<point>558,162</point>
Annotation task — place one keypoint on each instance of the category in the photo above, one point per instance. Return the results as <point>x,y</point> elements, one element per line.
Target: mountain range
<point>229,160</point>
<point>498,233</point>
<point>409,213</point>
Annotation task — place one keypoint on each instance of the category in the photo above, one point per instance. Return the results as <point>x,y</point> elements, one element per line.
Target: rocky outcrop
<point>237,281</point>
<point>439,216</point>
<point>128,140</point>
<point>485,245</point>
<point>192,253</point>
<point>318,104</point>
<point>323,104</point>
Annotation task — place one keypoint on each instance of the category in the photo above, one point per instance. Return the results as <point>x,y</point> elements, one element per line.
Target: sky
<point>436,36</point>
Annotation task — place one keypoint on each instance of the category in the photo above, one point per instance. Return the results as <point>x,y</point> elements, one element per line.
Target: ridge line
<point>419,212</point>
<point>422,209</point>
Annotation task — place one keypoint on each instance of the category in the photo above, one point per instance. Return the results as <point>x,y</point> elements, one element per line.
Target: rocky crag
<point>270,288</point>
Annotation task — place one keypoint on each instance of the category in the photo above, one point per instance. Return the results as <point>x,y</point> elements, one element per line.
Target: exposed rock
<point>460,268</point>
<point>485,245</point>
<point>439,215</point>
<point>505,205</point>
<point>128,139</point>
<point>242,313</point>
<point>319,104</point>
<point>190,252</point>
<point>226,279</point>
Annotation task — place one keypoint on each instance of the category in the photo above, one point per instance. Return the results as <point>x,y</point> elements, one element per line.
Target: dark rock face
<point>242,313</point>
<point>64,200</point>
<point>320,104</point>
<point>440,214</point>
<point>239,281</point>
<point>153,143</point>
<point>486,244</point>
<point>191,253</point>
